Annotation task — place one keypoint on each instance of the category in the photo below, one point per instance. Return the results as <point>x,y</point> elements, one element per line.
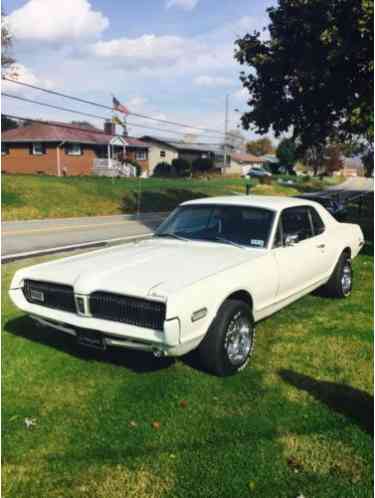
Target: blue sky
<point>171,59</point>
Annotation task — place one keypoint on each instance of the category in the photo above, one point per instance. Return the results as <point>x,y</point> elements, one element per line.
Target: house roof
<point>160,141</point>
<point>196,147</point>
<point>186,146</point>
<point>54,131</point>
<point>242,157</point>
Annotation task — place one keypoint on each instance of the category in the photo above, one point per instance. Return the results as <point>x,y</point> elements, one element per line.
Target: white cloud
<point>56,20</point>
<point>183,4</point>
<point>22,73</point>
<point>137,102</point>
<point>212,81</point>
<point>147,50</point>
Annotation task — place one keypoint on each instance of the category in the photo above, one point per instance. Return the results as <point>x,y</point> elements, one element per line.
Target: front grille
<point>127,309</point>
<point>56,296</point>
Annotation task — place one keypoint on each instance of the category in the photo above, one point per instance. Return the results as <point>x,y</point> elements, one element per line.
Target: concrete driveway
<point>356,184</point>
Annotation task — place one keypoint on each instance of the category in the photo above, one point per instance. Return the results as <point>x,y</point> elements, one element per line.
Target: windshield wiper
<point>172,235</point>
<point>230,242</point>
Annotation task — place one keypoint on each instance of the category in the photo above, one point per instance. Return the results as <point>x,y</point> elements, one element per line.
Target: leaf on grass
<point>251,485</point>
<point>133,423</point>
<point>156,425</point>
<point>29,422</point>
<point>183,403</point>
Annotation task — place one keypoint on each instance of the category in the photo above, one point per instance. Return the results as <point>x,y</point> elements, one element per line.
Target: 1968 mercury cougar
<point>212,270</point>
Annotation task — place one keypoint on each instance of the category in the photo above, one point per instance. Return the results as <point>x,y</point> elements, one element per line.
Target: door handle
<point>321,246</point>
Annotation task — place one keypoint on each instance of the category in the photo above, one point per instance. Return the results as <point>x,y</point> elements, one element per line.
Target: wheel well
<point>243,296</point>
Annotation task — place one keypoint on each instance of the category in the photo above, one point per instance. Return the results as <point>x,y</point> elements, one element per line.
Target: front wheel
<point>229,342</point>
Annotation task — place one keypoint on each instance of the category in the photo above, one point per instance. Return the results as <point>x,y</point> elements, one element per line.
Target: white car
<point>212,270</point>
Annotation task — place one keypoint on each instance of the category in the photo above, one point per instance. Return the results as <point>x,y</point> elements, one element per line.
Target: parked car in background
<point>333,206</point>
<point>213,269</point>
<point>258,172</point>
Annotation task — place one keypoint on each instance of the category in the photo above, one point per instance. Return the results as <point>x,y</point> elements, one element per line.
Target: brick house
<point>55,148</point>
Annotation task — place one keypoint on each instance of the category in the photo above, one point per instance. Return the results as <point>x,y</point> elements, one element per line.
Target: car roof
<point>275,203</point>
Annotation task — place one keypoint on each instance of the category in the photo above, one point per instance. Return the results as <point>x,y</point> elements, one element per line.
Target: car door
<point>300,263</point>
<point>327,251</point>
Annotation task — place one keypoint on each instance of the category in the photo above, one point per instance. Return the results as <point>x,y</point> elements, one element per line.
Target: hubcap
<point>238,339</point>
<point>346,279</point>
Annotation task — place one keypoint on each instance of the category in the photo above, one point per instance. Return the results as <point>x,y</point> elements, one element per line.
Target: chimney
<point>109,127</point>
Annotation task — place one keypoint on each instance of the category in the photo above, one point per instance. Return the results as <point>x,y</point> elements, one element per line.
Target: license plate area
<point>91,339</point>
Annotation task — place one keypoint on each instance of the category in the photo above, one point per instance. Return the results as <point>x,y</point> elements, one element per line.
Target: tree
<point>164,170</point>
<point>286,153</point>
<point>313,157</point>
<point>202,165</point>
<point>6,41</point>
<point>333,161</point>
<point>182,167</point>
<point>314,75</point>
<point>368,161</point>
<point>260,147</point>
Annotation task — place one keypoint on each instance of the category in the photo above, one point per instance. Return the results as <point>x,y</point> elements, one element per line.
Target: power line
<point>86,114</point>
<point>96,104</point>
<point>90,130</point>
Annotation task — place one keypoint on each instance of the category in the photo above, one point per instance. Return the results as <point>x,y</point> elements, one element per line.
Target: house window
<point>162,153</point>
<point>74,150</point>
<point>4,149</point>
<point>140,155</point>
<point>37,149</point>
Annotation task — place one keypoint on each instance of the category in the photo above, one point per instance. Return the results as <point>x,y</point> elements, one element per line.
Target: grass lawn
<point>124,425</point>
<point>27,197</point>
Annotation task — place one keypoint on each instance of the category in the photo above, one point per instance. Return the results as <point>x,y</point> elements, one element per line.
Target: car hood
<point>152,267</point>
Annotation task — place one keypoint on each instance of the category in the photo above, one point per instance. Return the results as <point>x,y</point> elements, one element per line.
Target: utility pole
<point>226,131</point>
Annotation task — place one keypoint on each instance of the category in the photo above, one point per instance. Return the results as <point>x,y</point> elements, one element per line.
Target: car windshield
<point>224,224</point>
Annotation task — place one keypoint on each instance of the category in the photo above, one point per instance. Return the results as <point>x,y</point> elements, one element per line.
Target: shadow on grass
<point>348,401</point>
<point>137,361</point>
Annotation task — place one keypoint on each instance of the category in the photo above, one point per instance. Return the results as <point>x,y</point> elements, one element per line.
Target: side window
<point>296,221</point>
<point>317,222</point>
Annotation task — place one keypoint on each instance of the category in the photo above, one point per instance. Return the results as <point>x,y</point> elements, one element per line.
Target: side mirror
<point>291,240</point>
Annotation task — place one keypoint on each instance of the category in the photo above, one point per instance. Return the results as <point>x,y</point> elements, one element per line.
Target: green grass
<point>296,420</point>
<point>34,197</point>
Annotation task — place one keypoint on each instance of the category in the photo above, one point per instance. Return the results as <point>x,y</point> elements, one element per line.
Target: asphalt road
<point>21,237</point>
<point>37,235</point>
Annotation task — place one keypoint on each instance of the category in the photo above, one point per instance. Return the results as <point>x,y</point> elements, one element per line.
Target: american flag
<point>117,106</point>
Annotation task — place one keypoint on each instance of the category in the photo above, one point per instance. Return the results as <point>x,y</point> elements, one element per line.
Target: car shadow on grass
<point>354,404</point>
<point>137,361</point>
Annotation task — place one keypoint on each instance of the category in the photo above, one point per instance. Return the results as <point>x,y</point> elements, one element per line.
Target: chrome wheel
<point>346,278</point>
<point>238,339</point>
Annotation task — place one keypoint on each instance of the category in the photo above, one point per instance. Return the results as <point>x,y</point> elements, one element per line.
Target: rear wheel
<point>341,282</point>
<point>229,342</point>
